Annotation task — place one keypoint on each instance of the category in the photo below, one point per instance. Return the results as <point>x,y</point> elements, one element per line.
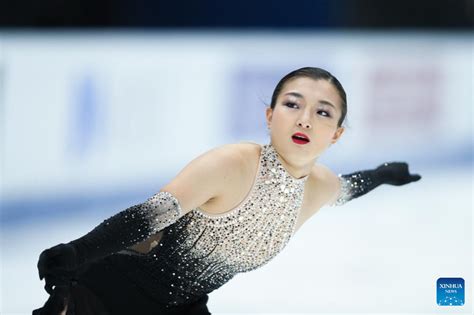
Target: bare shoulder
<point>320,189</point>
<point>250,153</point>
<point>244,165</point>
<point>244,154</point>
<point>207,176</point>
<point>322,172</point>
<point>325,185</point>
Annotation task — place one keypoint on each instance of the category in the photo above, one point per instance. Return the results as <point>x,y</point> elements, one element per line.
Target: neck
<point>295,170</point>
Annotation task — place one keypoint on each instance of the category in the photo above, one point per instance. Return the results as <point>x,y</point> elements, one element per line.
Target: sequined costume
<point>195,253</point>
<point>354,185</point>
<point>200,252</point>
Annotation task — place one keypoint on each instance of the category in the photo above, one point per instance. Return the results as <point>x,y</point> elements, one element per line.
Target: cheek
<point>279,118</point>
<point>326,123</point>
<point>325,132</point>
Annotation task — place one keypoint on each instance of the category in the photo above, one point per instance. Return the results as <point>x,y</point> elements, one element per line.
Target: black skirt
<point>103,289</point>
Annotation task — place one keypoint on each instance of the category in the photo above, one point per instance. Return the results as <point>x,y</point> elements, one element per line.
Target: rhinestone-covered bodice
<point>200,252</point>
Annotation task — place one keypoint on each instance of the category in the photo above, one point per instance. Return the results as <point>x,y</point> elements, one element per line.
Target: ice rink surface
<point>381,253</point>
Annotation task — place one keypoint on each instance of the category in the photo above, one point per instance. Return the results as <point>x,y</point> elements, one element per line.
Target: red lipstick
<point>300,138</point>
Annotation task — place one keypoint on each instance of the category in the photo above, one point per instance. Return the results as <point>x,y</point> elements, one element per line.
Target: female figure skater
<point>230,210</point>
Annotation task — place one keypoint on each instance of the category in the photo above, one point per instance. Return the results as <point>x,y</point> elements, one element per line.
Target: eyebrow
<point>298,95</point>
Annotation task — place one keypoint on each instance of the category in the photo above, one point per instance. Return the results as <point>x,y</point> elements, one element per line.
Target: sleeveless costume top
<point>200,252</point>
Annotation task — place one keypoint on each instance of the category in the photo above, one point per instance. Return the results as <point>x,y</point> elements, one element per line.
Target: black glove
<point>76,299</point>
<point>359,183</point>
<point>57,302</point>
<point>58,266</point>
<point>395,173</point>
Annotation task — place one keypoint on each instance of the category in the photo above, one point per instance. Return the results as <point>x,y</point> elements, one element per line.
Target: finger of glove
<point>401,167</point>
<point>401,173</point>
<point>415,177</point>
<point>55,304</point>
<point>408,179</point>
<point>52,281</point>
<point>58,279</point>
<point>55,268</point>
<point>49,283</point>
<point>42,261</point>
<point>49,288</point>
<point>46,258</point>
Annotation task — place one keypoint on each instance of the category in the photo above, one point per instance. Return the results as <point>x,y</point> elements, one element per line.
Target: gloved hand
<point>359,183</point>
<point>395,173</point>
<point>59,301</point>
<point>58,266</point>
<point>71,300</point>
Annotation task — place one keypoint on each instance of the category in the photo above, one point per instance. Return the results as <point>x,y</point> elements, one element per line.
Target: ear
<point>337,134</point>
<point>269,115</point>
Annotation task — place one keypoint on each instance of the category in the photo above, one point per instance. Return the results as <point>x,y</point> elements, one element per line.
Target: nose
<point>303,121</point>
<point>304,125</point>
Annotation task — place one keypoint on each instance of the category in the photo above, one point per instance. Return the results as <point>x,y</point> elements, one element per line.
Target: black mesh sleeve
<point>355,185</point>
<point>128,227</point>
<point>359,183</point>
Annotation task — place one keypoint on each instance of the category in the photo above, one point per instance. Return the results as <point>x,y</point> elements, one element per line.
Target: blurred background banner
<point>91,113</point>
<point>103,103</point>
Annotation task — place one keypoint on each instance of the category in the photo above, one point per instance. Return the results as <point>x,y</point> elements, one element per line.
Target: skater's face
<point>308,106</point>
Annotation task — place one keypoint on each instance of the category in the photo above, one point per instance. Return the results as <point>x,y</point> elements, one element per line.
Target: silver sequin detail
<point>351,186</point>
<point>201,252</point>
<point>163,209</point>
<point>146,219</point>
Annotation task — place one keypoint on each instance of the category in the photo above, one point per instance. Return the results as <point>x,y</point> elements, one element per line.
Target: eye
<point>323,111</point>
<point>290,104</point>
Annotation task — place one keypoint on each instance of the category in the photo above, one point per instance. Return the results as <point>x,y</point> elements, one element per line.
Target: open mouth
<point>299,139</point>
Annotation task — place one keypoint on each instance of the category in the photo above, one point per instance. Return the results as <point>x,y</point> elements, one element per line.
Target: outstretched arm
<point>137,223</point>
<point>359,183</point>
